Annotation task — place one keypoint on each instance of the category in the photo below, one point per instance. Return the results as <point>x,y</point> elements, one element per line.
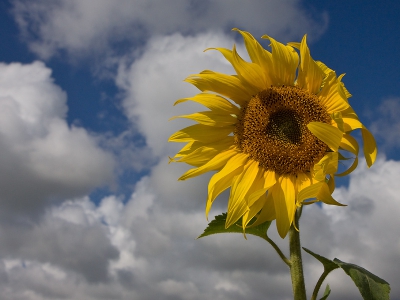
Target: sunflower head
<point>274,132</point>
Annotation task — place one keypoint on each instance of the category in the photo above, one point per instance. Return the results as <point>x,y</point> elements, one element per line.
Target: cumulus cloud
<point>82,248</point>
<point>87,26</point>
<point>42,157</point>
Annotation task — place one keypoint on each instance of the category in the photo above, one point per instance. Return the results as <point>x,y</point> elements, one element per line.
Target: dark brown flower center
<point>285,124</point>
<point>272,129</point>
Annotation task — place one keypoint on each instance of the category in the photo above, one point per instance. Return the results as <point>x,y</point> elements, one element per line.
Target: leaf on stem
<point>328,264</point>
<point>218,226</point>
<point>371,286</point>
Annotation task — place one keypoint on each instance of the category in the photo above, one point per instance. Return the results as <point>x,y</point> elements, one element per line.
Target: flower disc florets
<point>272,129</point>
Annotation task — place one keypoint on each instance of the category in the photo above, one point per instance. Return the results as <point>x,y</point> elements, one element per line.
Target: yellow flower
<point>275,139</point>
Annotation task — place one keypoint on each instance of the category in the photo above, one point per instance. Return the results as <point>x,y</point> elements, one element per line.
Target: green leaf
<point>326,293</point>
<point>371,286</point>
<point>218,226</point>
<point>329,265</point>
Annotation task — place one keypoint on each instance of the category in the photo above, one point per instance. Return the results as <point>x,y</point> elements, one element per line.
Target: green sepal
<point>218,226</point>
<point>326,293</point>
<point>371,286</point>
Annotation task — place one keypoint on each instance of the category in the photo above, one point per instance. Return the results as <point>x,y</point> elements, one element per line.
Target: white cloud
<point>90,26</point>
<point>42,157</point>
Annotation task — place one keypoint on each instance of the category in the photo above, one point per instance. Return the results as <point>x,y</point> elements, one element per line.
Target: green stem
<point>296,266</point>
<point>319,283</point>
<point>280,253</point>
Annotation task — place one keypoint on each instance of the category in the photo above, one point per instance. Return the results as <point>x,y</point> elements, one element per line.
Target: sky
<point>89,206</point>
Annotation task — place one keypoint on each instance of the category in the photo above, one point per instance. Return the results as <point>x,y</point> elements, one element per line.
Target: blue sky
<point>90,208</point>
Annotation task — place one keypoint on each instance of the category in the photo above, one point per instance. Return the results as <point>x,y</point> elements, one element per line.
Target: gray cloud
<point>83,249</point>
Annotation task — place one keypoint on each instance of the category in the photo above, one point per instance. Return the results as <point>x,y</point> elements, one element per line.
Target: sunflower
<point>274,133</point>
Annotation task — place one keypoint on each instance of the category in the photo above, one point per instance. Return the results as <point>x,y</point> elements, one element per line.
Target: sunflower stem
<point>296,264</point>
<point>280,253</point>
<point>319,283</point>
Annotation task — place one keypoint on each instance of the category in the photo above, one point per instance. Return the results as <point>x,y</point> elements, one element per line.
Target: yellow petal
<point>309,192</point>
<point>302,181</point>
<point>194,145</point>
<point>327,133</point>
<point>267,179</point>
<point>351,122</point>
<point>321,191</point>
<point>216,163</point>
<point>201,154</point>
<point>325,196</point>
<point>202,133</point>
<point>322,66</point>
<point>239,210</point>
<point>189,147</point>
<point>327,165</point>
<point>220,181</point>
<point>250,73</point>
<point>268,210</point>
<point>349,143</point>
<point>285,60</point>
<point>337,117</point>
<point>350,169</point>
<point>253,210</point>
<point>227,85</point>
<point>284,200</point>
<point>346,92</point>
<point>259,56</point>
<point>331,183</point>
<point>246,180</point>
<point>256,196</point>
<point>237,204</point>
<point>197,158</point>
<point>310,74</point>
<point>331,95</point>
<point>255,50</point>
<point>349,113</point>
<point>341,89</point>
<point>214,102</point>
<point>296,45</point>
<point>370,149</point>
<point>210,118</point>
